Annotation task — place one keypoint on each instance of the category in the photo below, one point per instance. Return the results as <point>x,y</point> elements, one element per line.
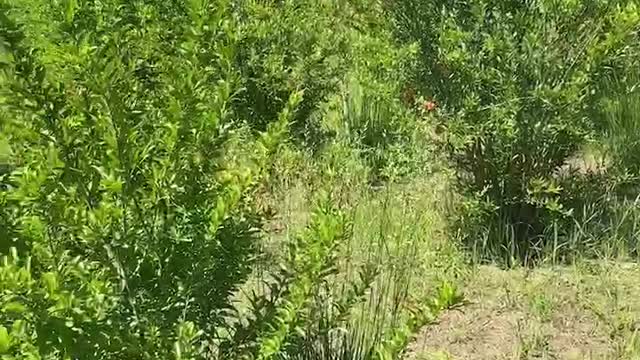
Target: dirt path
<point>590,311</point>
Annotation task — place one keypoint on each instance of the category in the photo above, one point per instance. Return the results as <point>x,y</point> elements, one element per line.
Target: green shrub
<point>316,46</point>
<point>123,184</point>
<point>518,85</point>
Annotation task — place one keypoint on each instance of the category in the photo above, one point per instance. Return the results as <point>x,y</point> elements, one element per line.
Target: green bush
<point>316,46</point>
<point>123,185</point>
<point>518,85</point>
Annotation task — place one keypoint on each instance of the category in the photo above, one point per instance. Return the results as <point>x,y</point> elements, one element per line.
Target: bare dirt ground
<point>587,311</point>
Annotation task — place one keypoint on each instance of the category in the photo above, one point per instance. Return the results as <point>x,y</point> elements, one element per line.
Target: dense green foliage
<point>520,86</point>
<point>143,145</point>
<point>135,138</point>
<point>622,123</point>
<point>124,197</point>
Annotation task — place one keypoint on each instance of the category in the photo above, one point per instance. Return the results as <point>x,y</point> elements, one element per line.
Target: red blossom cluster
<point>429,105</point>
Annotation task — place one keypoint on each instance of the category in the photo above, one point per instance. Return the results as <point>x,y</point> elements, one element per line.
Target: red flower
<point>429,105</point>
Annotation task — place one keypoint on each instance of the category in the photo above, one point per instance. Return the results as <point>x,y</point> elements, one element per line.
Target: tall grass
<point>622,135</point>
<point>381,290</point>
<point>606,227</point>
